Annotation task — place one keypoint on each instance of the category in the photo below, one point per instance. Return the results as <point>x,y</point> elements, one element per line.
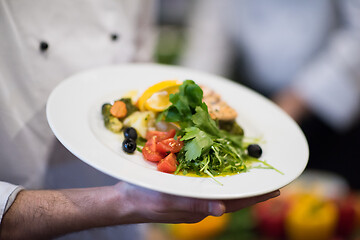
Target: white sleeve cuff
<point>8,193</point>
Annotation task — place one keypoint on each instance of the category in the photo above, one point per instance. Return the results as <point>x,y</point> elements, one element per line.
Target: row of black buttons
<point>44,46</point>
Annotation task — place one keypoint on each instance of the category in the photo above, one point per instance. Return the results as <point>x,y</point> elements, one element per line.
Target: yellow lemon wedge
<point>158,102</point>
<point>156,97</point>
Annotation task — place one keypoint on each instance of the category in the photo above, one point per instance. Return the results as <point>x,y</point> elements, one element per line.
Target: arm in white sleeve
<point>207,47</point>
<point>330,85</point>
<point>8,194</point>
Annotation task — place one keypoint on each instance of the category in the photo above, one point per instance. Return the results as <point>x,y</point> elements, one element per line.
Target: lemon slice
<point>160,101</point>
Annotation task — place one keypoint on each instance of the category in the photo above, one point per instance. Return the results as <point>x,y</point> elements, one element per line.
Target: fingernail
<point>216,208</point>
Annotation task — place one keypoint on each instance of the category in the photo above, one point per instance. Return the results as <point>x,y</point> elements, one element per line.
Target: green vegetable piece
<point>113,124</point>
<point>231,127</point>
<point>105,109</point>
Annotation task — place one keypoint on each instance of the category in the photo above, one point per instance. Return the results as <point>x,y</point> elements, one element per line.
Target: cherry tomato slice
<point>168,164</point>
<point>169,145</point>
<point>149,151</point>
<point>161,135</point>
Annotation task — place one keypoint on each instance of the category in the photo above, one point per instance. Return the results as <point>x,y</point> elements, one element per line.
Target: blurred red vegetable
<point>270,217</point>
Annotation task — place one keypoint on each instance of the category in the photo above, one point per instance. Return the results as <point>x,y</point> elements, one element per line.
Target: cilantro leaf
<point>202,120</point>
<point>193,92</point>
<point>184,103</point>
<point>198,144</point>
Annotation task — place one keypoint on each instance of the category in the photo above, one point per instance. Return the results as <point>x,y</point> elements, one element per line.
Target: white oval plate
<point>74,115</point>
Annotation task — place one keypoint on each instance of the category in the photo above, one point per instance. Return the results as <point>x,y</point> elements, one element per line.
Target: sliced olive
<point>254,150</point>
<point>129,145</point>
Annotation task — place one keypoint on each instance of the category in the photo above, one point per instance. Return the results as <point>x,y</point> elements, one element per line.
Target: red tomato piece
<point>169,145</point>
<point>149,151</point>
<point>161,135</point>
<point>168,164</point>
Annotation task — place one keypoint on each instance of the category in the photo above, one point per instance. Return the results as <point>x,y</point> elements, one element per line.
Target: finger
<point>165,203</point>
<point>192,205</point>
<point>237,204</point>
<point>180,217</point>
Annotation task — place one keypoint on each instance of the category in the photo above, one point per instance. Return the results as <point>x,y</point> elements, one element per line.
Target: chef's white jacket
<point>41,43</point>
<point>312,47</point>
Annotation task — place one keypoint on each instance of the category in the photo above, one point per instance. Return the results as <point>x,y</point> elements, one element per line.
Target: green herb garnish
<point>207,149</point>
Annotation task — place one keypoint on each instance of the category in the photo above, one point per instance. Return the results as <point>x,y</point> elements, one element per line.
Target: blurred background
<point>304,56</point>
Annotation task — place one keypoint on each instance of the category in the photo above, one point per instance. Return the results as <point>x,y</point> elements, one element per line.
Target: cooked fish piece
<point>222,111</point>
<point>218,109</point>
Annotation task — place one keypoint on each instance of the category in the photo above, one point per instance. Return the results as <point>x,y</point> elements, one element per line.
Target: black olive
<point>129,145</point>
<point>254,150</point>
<point>131,133</point>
